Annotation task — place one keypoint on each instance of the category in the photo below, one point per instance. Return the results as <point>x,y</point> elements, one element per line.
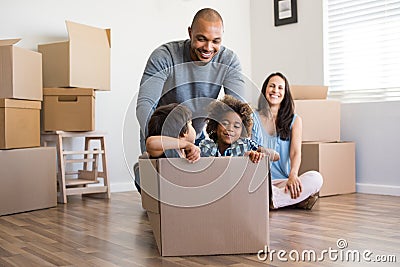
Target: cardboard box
<point>82,61</point>
<point>19,123</point>
<point>321,119</point>
<point>335,161</point>
<point>20,72</point>
<point>309,91</point>
<point>68,109</point>
<point>28,179</point>
<point>214,206</point>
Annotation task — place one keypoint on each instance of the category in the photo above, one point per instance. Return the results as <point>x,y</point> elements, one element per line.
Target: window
<point>363,48</point>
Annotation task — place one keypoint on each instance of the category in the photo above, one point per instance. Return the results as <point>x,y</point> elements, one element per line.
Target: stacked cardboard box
<point>28,179</point>
<point>72,71</point>
<point>20,96</point>
<point>68,109</point>
<point>32,186</point>
<point>82,61</point>
<point>322,149</point>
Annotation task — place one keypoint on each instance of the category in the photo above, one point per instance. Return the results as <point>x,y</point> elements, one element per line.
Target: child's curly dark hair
<point>218,108</point>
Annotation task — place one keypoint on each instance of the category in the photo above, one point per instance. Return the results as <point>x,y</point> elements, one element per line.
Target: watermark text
<point>341,253</point>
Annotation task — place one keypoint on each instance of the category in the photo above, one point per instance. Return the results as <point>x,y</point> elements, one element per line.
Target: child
<point>229,125</point>
<point>171,134</point>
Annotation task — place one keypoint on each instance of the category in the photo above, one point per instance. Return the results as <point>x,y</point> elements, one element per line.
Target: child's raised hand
<point>192,153</point>
<point>255,156</point>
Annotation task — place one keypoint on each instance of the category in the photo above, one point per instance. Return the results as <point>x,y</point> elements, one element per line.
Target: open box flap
<point>89,34</point>
<point>8,42</point>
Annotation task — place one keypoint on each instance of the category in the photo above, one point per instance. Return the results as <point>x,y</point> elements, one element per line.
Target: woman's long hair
<point>286,109</point>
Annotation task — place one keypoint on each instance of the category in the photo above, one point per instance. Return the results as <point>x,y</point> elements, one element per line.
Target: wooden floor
<point>96,232</point>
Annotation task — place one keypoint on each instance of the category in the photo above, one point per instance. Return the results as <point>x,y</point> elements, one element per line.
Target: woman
<point>277,127</point>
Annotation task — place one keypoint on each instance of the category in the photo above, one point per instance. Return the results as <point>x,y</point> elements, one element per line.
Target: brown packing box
<point>28,179</point>
<point>20,72</point>
<point>220,206</point>
<point>335,161</point>
<point>68,109</point>
<point>82,61</point>
<point>321,119</point>
<point>309,91</point>
<point>19,123</point>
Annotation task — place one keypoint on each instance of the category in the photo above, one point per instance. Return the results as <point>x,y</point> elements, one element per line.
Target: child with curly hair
<point>229,126</point>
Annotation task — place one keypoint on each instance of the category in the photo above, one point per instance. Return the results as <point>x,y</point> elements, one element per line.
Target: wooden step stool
<point>90,173</point>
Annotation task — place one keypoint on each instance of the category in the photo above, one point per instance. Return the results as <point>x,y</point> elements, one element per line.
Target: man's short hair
<point>169,120</point>
<point>208,14</point>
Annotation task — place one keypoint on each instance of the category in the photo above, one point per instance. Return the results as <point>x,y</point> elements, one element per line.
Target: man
<point>190,72</point>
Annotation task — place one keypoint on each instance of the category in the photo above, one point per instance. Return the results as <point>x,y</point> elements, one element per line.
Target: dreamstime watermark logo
<point>340,254</point>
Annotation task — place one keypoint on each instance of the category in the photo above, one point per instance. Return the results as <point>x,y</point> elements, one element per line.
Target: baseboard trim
<point>377,189</point>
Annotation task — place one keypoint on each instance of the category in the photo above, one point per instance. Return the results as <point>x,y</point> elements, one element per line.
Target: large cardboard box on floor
<point>321,119</point>
<point>214,206</point>
<point>82,61</point>
<point>20,72</point>
<point>28,179</point>
<point>335,161</point>
<point>19,123</point>
<point>68,109</point>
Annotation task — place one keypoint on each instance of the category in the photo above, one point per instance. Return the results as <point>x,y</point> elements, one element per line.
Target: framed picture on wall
<point>285,12</point>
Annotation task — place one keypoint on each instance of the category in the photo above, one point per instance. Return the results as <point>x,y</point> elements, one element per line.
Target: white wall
<point>137,27</point>
<point>375,128</point>
<point>295,49</point>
